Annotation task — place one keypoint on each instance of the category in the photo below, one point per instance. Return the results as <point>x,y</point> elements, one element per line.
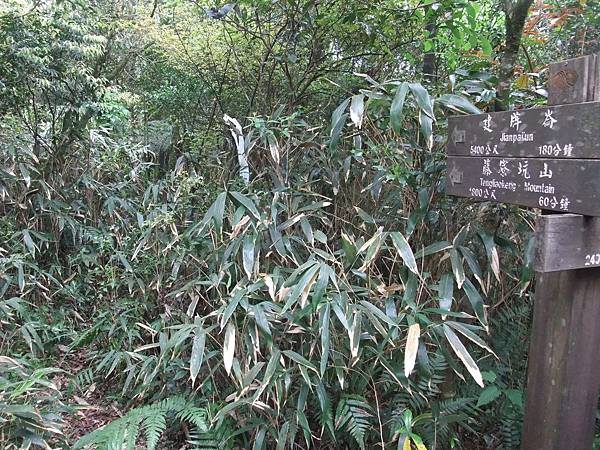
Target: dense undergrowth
<point>283,280</point>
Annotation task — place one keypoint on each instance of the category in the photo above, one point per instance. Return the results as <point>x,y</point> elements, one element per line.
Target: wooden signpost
<point>549,158</point>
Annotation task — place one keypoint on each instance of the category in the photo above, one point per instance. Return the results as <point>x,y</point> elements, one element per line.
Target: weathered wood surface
<point>574,80</point>
<point>567,131</point>
<point>559,185</point>
<point>564,362</point>
<point>566,242</point>
<point>563,377</point>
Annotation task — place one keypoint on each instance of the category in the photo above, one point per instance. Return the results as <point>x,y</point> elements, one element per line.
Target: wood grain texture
<point>567,242</point>
<point>574,80</point>
<point>563,379</point>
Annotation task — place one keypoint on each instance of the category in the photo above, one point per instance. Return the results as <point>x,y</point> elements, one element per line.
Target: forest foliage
<point>225,226</point>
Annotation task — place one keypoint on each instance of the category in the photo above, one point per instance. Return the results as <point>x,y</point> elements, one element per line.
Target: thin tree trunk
<point>515,13</point>
<point>429,59</point>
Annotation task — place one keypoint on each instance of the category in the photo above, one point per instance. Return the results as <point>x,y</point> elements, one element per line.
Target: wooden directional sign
<point>566,131</point>
<point>546,158</point>
<point>559,185</point>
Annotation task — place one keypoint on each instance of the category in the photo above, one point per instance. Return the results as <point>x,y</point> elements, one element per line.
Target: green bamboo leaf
<point>29,242</point>
<point>261,319</point>
<point>197,352</point>
<point>463,354</point>
<point>466,332</point>
<point>433,248</point>
<point>405,251</point>
<point>246,203</point>
<point>324,326</point>
<point>476,302</point>
<point>423,99</point>
<point>354,334</point>
<point>446,291</point>
<point>378,313</point>
<point>457,267</point>
<point>371,247</point>
<point>459,103</point>
<point>396,110</point>
<point>492,252</point>
<point>300,359</point>
<point>307,230</point>
<point>259,439</point>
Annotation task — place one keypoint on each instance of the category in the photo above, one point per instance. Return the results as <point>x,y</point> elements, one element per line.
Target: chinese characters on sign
<point>546,158</point>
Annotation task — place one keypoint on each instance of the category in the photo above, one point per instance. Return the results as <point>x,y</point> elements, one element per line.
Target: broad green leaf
<point>463,354</point>
<point>410,351</point>
<point>338,113</point>
<point>488,395</point>
<point>396,110</point>
<point>515,397</point>
<point>307,230</point>
<point>486,46</point>
<point>261,319</point>
<point>405,251</point>
<point>229,347</point>
<point>302,287</point>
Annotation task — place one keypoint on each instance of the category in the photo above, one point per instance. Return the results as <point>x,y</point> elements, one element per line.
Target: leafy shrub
<point>29,406</point>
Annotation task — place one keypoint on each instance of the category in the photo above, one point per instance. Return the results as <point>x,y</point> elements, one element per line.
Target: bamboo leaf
<point>405,251</point>
<point>229,347</point>
<point>197,352</point>
<point>412,345</point>
<point>446,292</point>
<point>357,109</point>
<point>248,254</point>
<point>476,302</point>
<point>463,354</point>
<point>397,107</point>
<point>457,267</point>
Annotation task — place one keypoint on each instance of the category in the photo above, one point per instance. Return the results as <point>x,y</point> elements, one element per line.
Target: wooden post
<point>563,380</point>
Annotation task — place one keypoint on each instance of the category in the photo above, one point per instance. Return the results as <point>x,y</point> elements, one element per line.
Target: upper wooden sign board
<point>556,132</point>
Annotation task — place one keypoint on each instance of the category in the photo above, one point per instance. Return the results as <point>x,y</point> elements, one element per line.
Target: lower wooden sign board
<point>569,186</point>
<point>566,242</point>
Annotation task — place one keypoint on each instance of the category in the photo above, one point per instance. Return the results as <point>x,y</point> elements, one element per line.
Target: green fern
<point>353,414</point>
<point>152,419</point>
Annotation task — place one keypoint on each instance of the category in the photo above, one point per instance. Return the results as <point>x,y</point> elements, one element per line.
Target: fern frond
<point>353,414</point>
<point>124,432</point>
